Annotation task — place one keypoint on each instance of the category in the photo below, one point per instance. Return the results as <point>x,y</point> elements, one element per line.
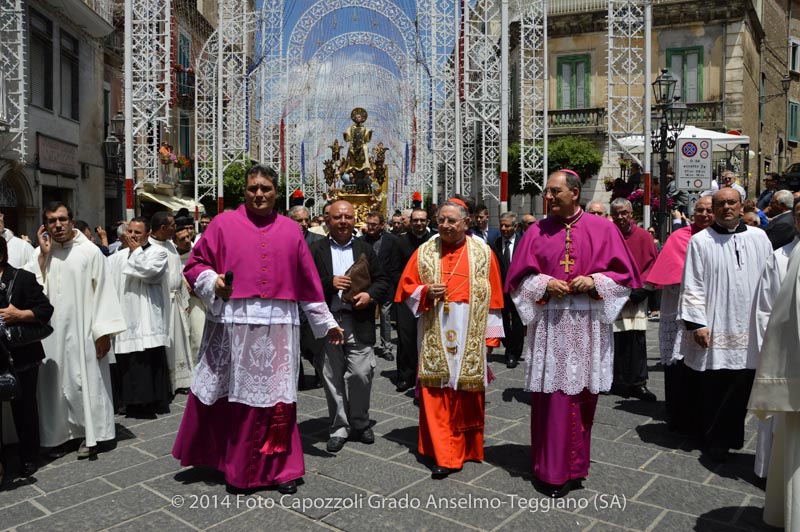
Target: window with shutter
<point>794,55</point>
<point>41,60</point>
<point>686,65</point>
<point>70,78</point>
<point>573,81</point>
<point>794,116</point>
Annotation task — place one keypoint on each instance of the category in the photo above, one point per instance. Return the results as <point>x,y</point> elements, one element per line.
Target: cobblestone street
<point>642,477</point>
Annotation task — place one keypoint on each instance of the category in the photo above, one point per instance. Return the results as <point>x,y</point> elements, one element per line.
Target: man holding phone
<point>74,381</point>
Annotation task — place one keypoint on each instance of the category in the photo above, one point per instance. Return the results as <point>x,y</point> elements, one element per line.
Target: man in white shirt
<point>503,247</point>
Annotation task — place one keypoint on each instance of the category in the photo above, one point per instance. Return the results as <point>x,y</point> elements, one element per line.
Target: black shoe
<point>28,469</point>
<point>335,444</point>
<point>438,472</point>
<point>365,436</point>
<point>555,491</point>
<point>388,357</point>
<point>287,488</point>
<point>511,363</point>
<point>642,393</point>
<point>622,391</point>
<point>402,386</point>
<point>182,391</point>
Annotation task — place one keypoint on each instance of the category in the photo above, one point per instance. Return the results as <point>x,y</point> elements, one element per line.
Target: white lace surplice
<point>668,324</point>
<point>570,340</point>
<point>250,347</point>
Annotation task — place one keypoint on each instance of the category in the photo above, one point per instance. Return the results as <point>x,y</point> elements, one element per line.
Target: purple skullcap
<point>573,172</point>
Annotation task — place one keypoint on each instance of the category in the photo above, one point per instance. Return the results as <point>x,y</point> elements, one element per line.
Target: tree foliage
<point>574,153</point>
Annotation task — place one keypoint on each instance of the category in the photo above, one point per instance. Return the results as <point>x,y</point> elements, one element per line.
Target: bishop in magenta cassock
<point>570,277</point>
<point>452,282</point>
<point>240,415</point>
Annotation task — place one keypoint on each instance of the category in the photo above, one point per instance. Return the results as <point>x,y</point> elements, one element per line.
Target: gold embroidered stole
<point>433,367</point>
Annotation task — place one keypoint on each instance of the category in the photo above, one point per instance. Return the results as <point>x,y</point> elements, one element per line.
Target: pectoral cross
<point>567,262</point>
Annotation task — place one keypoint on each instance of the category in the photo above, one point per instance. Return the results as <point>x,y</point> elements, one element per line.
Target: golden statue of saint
<point>357,160</point>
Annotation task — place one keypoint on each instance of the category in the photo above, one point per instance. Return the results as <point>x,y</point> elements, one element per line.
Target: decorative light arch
<point>364,38</point>
<point>321,8</point>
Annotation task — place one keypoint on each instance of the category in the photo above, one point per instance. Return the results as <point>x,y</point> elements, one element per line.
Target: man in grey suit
<point>347,369</point>
<point>309,345</point>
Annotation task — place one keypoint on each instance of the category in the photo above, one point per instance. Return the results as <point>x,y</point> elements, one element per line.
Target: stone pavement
<point>641,478</point>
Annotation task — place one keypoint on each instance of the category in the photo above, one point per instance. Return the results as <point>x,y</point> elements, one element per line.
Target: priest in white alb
<point>74,392</point>
<point>179,355</point>
<point>767,290</point>
<point>723,266</point>
<point>776,392</point>
<point>140,274</point>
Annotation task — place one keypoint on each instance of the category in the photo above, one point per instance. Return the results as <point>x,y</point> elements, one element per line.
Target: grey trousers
<point>347,372</point>
<point>386,328</point>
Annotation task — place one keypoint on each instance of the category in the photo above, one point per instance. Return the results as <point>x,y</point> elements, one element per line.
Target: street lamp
<point>671,117</point>
<point>114,145</point>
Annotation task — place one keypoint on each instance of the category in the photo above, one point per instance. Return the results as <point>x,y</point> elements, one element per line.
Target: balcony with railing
<point>96,17</point>
<point>585,121</point>
<point>705,115</point>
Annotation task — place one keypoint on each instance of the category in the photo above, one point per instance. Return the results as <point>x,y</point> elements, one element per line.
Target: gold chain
<point>446,307</point>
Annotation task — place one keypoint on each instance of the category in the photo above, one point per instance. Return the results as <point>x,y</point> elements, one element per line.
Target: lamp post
<point>113,145</point>
<point>671,119</point>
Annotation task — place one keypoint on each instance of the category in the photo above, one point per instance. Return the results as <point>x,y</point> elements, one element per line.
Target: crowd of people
<point>228,315</point>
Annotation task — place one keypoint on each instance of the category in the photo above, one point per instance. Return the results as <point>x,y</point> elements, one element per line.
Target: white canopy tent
<point>634,144</point>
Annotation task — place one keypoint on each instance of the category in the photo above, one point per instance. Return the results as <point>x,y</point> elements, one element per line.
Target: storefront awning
<point>173,203</point>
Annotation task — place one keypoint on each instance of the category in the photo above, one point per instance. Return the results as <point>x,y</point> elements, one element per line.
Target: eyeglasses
<point>62,219</point>
<point>372,224</point>
<point>702,211</point>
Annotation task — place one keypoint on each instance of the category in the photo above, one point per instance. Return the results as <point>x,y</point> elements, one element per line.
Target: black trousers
<point>26,415</point>
<point>723,408</point>
<point>514,330</point>
<point>407,355</point>
<point>681,398</point>
<point>144,377</point>
<point>630,358</point>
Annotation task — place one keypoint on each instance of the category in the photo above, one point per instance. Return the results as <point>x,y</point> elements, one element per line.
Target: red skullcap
<point>458,202</point>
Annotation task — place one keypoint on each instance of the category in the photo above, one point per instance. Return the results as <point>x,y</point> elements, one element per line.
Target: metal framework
<point>12,77</point>
<point>626,69</point>
<point>222,99</point>
<point>268,78</point>
<point>482,77</point>
<point>533,93</point>
<point>442,42</point>
<point>150,83</point>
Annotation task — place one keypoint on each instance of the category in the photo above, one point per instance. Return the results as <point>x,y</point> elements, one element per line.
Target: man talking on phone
<point>74,390</point>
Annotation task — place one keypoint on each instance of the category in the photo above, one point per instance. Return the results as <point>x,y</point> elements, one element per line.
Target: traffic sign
<point>694,164</point>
